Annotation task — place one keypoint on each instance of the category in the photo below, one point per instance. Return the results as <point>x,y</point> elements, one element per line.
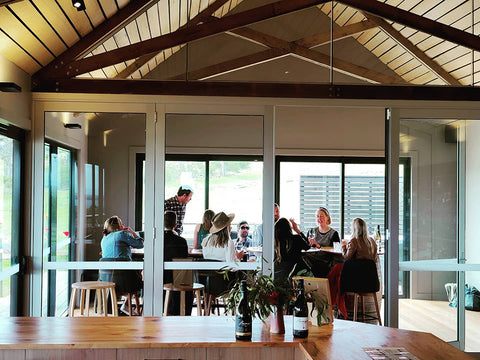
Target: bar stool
<point>359,278</point>
<point>102,289</point>
<point>196,288</point>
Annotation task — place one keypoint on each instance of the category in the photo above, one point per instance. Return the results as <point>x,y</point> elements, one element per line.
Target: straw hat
<point>221,221</point>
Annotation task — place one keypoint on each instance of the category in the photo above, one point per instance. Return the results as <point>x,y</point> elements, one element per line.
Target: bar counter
<point>202,338</point>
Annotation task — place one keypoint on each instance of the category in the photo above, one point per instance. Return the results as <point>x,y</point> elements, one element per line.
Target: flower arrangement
<point>265,295</point>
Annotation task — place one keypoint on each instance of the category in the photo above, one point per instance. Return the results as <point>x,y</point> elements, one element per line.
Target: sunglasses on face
<point>245,227</point>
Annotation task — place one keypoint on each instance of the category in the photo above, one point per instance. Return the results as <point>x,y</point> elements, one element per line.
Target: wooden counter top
<point>343,339</point>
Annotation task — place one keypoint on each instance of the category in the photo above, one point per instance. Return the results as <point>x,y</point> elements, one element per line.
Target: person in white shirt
<point>218,245</point>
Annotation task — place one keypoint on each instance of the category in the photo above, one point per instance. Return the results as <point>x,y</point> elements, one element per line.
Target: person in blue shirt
<point>118,239</point>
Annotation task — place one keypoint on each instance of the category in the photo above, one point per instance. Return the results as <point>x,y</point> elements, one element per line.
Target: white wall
<point>15,108</point>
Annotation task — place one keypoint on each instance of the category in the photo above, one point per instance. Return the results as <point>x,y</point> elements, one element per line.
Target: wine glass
<point>311,237</point>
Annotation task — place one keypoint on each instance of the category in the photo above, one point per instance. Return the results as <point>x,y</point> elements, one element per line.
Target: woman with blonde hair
<point>360,246</point>
<point>323,234</point>
<point>203,230</point>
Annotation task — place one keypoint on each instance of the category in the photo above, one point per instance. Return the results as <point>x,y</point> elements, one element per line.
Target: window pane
<point>365,195</point>
<point>235,187</point>
<point>6,219</point>
<point>191,173</point>
<point>306,186</point>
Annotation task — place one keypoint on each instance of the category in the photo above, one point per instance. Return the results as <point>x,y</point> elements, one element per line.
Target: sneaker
<point>124,309</point>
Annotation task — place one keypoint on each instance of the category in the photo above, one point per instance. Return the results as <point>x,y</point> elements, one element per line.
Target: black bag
<point>472,298</point>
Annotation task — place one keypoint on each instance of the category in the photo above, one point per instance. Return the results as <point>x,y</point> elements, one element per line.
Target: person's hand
<point>239,254</point>
<point>294,226</point>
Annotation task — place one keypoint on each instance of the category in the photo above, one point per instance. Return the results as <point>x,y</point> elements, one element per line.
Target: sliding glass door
<point>11,299</point>
<point>441,256</point>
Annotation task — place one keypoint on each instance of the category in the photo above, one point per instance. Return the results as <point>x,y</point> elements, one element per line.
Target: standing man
<point>178,205</point>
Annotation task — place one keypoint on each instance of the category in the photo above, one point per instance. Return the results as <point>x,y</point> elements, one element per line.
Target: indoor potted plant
<point>266,297</point>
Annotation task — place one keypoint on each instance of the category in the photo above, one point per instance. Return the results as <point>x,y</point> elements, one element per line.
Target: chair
<point>102,289</point>
<point>360,278</point>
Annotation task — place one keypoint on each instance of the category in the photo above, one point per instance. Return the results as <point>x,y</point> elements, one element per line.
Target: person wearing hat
<point>218,245</point>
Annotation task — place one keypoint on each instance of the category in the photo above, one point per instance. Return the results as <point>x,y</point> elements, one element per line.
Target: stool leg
<point>104,301</point>
<point>165,305</point>
<point>82,301</point>
<point>355,304</point>
<point>363,307</point>
<point>129,301</point>
<point>199,303</point>
<point>87,302</point>
<point>182,303</point>
<point>204,303</point>
<point>113,297</point>
<point>72,302</point>
<point>377,309</point>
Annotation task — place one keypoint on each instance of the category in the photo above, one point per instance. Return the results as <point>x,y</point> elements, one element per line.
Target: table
<point>322,260</point>
<point>196,253</point>
<point>203,337</point>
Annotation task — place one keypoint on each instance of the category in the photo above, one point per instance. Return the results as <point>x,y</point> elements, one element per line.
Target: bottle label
<point>300,323</point>
<point>243,328</point>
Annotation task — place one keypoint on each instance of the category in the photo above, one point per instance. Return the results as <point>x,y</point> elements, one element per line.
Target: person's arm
<point>335,237</point>
<point>195,236</point>
<point>302,241</point>
<point>133,239</point>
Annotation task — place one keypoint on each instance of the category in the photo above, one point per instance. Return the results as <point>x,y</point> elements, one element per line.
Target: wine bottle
<point>243,323</point>
<point>378,239</point>
<point>300,313</point>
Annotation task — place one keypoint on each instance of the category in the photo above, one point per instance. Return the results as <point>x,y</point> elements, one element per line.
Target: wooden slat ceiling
<point>40,36</point>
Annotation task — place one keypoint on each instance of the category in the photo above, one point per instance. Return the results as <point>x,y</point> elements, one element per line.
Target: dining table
<point>321,260</point>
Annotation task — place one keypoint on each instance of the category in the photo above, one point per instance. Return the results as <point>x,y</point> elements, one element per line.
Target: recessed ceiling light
<point>72,126</point>
<point>9,87</point>
<point>79,5</point>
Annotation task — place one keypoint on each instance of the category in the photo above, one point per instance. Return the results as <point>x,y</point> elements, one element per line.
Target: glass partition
<point>90,173</point>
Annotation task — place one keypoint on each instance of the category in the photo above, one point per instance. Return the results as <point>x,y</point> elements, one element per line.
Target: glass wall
<point>11,140</point>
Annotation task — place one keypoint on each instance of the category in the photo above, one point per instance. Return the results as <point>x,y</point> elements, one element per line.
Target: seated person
<point>323,235</point>
<point>116,246</point>
<point>174,247</point>
<point>288,250</point>
<point>244,240</point>
<point>360,246</point>
<point>218,245</point>
<point>202,230</point>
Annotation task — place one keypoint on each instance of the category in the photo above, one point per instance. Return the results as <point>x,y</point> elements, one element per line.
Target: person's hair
<point>169,219</point>
<point>283,233</point>
<point>275,205</point>
<point>208,216</point>
<point>360,232</point>
<point>325,211</point>
<point>242,223</point>
<point>184,190</point>
<point>112,224</point>
<point>220,238</point>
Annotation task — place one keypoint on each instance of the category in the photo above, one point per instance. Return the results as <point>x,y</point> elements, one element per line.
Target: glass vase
<point>277,324</point>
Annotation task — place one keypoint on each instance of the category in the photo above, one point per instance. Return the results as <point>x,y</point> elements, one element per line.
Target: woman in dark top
<point>288,250</point>
<point>323,235</point>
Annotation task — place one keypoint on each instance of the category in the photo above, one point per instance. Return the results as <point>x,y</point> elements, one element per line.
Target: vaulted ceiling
<point>186,46</point>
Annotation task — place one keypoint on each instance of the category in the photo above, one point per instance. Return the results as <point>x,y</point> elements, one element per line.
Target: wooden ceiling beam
<point>338,34</point>
<point>94,38</point>
<point>417,22</point>
<point>317,57</point>
<point>8,2</point>
<point>202,16</point>
<point>274,90</point>
<point>183,36</point>
<point>232,65</point>
<point>415,51</point>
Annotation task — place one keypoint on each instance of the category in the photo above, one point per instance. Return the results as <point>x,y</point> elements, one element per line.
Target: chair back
<point>359,276</point>
<point>182,277</point>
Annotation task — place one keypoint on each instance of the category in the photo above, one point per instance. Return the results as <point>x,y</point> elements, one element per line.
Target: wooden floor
<point>439,319</point>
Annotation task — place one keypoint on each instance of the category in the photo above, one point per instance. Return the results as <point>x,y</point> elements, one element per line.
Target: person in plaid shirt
<point>178,204</point>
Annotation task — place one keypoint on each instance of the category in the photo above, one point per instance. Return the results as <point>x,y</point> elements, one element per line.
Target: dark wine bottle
<point>243,324</point>
<point>300,313</point>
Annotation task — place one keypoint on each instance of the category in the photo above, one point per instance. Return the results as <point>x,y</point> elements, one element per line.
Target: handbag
<point>472,298</point>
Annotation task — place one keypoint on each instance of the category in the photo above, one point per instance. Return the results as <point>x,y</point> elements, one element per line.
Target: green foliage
<point>320,303</point>
<point>264,293</point>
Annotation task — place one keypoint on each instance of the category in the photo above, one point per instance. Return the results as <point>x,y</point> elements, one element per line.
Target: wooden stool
<point>101,288</point>
<point>197,288</point>
<point>355,304</point>
<point>128,301</point>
